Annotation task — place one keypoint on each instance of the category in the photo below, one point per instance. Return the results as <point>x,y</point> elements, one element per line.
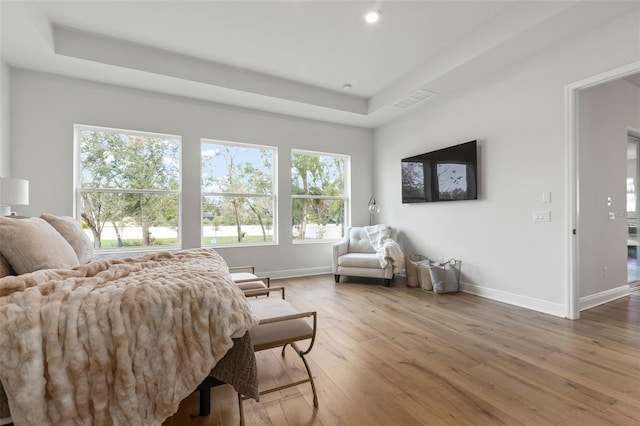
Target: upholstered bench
<point>246,279</point>
<point>281,324</point>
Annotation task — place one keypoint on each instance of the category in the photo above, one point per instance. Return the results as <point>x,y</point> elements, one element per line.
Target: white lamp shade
<point>14,192</point>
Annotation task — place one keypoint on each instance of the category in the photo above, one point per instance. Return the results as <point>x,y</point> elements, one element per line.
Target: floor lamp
<point>373,209</point>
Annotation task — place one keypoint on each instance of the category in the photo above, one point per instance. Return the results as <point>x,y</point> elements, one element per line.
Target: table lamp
<point>13,192</point>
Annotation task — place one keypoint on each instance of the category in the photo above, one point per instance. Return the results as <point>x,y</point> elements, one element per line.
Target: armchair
<point>355,256</point>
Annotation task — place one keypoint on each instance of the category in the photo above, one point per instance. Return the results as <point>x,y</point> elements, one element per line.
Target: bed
<point>115,341</point>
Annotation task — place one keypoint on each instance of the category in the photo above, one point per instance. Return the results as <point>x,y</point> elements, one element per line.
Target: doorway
<point>574,274</point>
<point>633,204</point>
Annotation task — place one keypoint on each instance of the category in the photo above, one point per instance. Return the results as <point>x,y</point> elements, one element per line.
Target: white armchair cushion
<point>359,241</point>
<point>359,260</point>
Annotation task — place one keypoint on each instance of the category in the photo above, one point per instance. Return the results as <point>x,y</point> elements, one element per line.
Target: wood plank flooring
<point>402,356</point>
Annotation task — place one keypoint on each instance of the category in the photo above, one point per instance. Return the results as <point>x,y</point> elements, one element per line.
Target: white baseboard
<point>292,273</point>
<point>606,296</point>
<point>556,309</point>
<point>489,293</point>
<point>5,421</point>
<point>544,306</point>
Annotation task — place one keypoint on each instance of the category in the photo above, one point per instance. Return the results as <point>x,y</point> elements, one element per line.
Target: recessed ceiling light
<point>347,86</point>
<point>372,16</point>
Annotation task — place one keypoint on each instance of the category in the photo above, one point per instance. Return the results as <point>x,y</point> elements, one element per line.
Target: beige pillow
<point>5,267</point>
<point>71,230</point>
<point>32,244</point>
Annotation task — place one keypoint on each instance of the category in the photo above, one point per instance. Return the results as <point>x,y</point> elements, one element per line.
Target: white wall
<point>46,107</point>
<point>519,120</point>
<point>605,114</point>
<point>5,116</point>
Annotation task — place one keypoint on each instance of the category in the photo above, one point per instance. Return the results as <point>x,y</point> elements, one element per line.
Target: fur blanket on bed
<point>118,341</point>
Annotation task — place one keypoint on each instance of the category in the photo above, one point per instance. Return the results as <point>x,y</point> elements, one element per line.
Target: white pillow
<point>71,230</point>
<point>32,244</point>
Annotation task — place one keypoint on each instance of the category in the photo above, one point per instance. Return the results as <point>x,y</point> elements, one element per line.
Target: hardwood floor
<point>402,356</point>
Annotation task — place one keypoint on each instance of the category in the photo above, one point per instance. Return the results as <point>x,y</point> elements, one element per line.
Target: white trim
<point>319,197</point>
<point>572,203</point>
<point>235,244</point>
<point>572,309</point>
<point>316,241</point>
<point>293,273</point>
<point>319,153</point>
<point>92,127</point>
<point>6,420</point>
<point>131,191</point>
<point>607,76</point>
<point>237,194</point>
<point>539,305</point>
<point>606,296</point>
<point>249,145</point>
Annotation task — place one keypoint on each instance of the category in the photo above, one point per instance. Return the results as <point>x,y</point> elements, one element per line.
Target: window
<point>128,187</point>
<point>320,192</point>
<point>238,193</point>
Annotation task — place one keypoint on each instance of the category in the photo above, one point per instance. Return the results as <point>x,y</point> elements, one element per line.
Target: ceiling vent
<point>414,98</point>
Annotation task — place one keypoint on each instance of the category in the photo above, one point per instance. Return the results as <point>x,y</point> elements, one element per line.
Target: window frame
<point>78,190</point>
<point>346,198</point>
<point>273,195</point>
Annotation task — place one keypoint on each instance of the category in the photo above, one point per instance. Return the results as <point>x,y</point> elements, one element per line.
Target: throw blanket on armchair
<point>385,247</point>
<point>118,341</point>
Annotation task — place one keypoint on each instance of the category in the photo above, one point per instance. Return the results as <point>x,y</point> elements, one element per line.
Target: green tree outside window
<point>238,193</point>
<point>128,187</point>
<point>319,191</point>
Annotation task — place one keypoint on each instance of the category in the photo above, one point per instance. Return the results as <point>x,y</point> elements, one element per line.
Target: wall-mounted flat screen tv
<point>448,174</point>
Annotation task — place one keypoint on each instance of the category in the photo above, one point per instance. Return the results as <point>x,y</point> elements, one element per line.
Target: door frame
<point>572,178</point>
<point>633,136</point>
